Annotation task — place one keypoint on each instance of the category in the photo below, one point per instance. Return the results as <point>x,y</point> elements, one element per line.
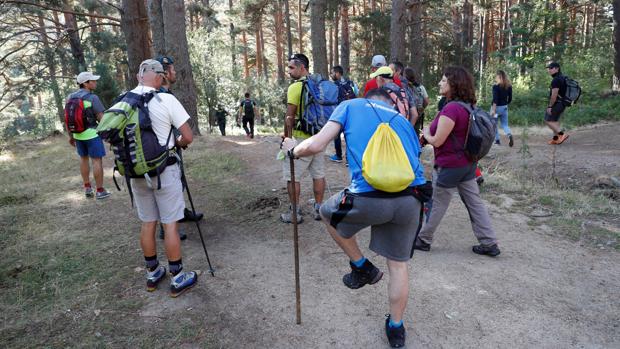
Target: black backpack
<point>248,107</point>
<point>345,90</point>
<point>573,92</point>
<point>480,132</point>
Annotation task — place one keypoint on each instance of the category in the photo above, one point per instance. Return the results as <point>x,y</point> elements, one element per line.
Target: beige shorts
<point>166,204</point>
<point>315,165</point>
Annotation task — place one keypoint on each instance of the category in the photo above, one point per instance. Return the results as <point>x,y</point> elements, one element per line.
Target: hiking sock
<point>358,263</point>
<point>100,190</point>
<point>87,185</point>
<point>175,266</point>
<point>561,133</point>
<point>555,138</point>
<point>393,324</point>
<point>151,262</point>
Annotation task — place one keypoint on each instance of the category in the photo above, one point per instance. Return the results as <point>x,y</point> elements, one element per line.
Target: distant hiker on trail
<point>83,109</point>
<point>378,61</point>
<point>421,97</point>
<point>555,106</point>
<point>220,118</point>
<point>393,217</point>
<point>247,112</point>
<point>502,96</point>
<point>166,204</point>
<point>346,90</point>
<point>405,106</point>
<point>298,69</point>
<point>453,171</point>
<point>170,77</point>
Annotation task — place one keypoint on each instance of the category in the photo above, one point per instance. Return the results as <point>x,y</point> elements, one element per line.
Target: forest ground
<point>71,271</point>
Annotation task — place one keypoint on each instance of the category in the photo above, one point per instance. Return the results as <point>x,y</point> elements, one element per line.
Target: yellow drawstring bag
<point>385,165</point>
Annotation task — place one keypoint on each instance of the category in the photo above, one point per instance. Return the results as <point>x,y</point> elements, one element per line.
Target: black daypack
<point>480,132</point>
<point>248,107</point>
<point>573,92</point>
<point>345,90</point>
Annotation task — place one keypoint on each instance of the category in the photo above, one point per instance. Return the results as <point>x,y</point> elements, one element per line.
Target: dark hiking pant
<point>248,120</point>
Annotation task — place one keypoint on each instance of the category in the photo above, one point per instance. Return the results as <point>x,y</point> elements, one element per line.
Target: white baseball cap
<point>86,76</point>
<point>378,61</point>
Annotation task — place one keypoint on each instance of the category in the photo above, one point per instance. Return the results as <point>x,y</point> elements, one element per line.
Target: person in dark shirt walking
<point>555,107</point>
<point>502,96</point>
<point>220,117</point>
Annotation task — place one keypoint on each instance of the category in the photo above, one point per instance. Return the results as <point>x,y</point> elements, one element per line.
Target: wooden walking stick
<point>295,241</point>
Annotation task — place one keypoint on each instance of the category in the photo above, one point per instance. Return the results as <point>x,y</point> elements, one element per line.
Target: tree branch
<point>21,2</point>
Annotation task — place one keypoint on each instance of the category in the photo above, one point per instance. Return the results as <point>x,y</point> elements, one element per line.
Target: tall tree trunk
<point>92,21</point>
<point>416,41</point>
<point>289,35</point>
<point>51,63</point>
<point>246,63</point>
<point>330,48</point>
<point>336,34</point>
<point>300,33</point>
<point>259,53</point>
<point>317,28</point>
<point>156,20</point>
<point>278,36</point>
<point>397,31</point>
<point>262,52</point>
<point>467,35</point>
<point>616,78</point>
<point>135,26</point>
<point>233,46</point>
<point>174,30</point>
<point>79,62</point>
<point>457,33</point>
<point>345,48</point>
<point>586,25</point>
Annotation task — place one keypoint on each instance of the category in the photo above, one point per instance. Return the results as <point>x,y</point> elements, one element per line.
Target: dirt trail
<point>542,291</point>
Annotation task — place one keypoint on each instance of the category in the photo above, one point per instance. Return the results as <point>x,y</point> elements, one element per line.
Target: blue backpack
<point>319,98</point>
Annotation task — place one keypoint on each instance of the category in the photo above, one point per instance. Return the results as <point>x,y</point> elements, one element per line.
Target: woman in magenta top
<point>453,170</point>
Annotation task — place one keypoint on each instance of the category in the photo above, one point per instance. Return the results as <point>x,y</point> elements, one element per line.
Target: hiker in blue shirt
<point>393,217</point>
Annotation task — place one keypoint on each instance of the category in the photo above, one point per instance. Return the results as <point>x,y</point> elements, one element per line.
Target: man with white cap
<point>378,61</point>
<point>167,203</point>
<point>82,111</point>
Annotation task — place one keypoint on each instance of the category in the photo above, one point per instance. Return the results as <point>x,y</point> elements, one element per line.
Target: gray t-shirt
<point>91,97</point>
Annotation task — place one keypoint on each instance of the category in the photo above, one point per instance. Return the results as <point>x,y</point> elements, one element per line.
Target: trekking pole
<point>191,202</point>
<point>295,244</point>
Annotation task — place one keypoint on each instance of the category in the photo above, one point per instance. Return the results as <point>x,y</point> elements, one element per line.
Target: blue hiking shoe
<point>89,192</point>
<point>154,277</point>
<point>335,158</point>
<point>182,282</point>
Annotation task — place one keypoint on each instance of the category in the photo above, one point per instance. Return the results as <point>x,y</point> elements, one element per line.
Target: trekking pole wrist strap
<point>291,153</point>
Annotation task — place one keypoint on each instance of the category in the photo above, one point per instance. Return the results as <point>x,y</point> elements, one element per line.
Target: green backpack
<point>137,153</point>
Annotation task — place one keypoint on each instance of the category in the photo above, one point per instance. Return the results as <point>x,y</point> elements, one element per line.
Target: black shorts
<point>556,112</point>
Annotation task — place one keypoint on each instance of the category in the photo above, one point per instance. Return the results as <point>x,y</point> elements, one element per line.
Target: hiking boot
<point>480,180</point>
<point>358,277</point>
<point>287,217</point>
<point>491,251</point>
<point>395,335</point>
<point>154,277</point>
<point>182,282</point>
<point>421,245</point>
<point>554,140</point>
<point>497,142</point>
<point>181,231</point>
<point>89,192</point>
<point>335,158</point>
<point>562,138</point>
<point>511,141</point>
<point>188,215</point>
<point>317,213</point>
<point>100,195</point>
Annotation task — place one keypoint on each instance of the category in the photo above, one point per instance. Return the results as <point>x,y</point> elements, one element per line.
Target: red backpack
<point>79,116</point>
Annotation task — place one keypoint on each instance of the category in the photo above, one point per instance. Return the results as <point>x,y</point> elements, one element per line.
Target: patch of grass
<point>67,271</point>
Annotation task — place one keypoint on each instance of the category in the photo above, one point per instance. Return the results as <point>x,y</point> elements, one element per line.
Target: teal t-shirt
<point>360,118</point>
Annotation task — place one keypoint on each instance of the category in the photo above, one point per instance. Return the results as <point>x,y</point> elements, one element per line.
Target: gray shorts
<point>393,221</point>
<point>315,165</point>
<point>166,204</point>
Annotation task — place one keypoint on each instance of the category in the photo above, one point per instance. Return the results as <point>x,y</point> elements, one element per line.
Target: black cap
<point>165,60</point>
<point>553,65</point>
<point>300,57</point>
